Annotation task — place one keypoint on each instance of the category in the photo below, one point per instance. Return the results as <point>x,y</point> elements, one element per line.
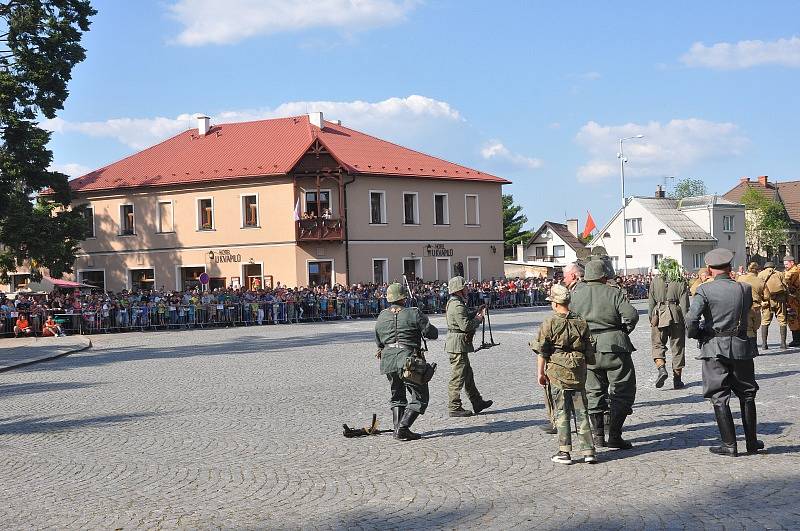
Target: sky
<point>536,92</point>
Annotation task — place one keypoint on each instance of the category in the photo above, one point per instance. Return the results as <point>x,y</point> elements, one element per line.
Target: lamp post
<point>622,161</point>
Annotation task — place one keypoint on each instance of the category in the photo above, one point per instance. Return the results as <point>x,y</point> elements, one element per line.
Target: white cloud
<point>666,149</point>
<point>744,54</point>
<point>393,117</point>
<point>230,21</point>
<point>495,150</point>
<point>73,169</point>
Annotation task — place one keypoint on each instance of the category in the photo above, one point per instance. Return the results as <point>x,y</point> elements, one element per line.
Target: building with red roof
<point>297,200</point>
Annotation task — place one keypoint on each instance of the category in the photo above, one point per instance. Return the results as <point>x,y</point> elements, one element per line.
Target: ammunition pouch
<point>416,370</point>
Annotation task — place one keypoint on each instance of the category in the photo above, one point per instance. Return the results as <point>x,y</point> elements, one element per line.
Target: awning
<point>60,283</point>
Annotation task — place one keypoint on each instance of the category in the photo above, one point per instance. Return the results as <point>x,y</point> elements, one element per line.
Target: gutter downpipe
<point>347,234</point>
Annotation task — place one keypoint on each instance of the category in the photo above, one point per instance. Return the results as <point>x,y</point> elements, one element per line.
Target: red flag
<point>590,226</point>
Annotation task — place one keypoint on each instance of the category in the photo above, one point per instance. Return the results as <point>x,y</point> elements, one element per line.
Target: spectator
<point>22,326</point>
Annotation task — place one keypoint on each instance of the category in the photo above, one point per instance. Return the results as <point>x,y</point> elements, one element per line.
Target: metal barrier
<point>151,316</point>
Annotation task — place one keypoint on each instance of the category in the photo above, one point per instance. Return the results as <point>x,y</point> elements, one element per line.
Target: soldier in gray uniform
<point>668,305</point>
<point>399,332</point>
<point>727,354</point>
<point>611,380</point>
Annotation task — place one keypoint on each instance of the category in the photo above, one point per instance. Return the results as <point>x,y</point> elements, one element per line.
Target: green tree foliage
<point>39,46</point>
<point>766,223</point>
<point>689,188</point>
<point>513,220</point>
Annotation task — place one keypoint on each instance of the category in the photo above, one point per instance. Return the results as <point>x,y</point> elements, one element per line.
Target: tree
<point>766,223</point>
<point>39,46</point>
<point>513,220</point>
<point>689,188</point>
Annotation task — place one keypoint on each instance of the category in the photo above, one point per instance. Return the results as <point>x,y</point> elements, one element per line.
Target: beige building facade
<point>243,231</point>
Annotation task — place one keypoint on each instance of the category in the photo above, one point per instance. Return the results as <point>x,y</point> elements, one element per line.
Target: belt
<point>726,333</point>
<point>401,345</point>
<point>596,330</point>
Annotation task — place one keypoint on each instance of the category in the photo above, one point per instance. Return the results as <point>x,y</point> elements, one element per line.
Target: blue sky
<point>535,92</point>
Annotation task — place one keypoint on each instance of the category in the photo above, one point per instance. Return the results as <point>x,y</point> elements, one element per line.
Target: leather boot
<point>795,339</point>
<point>783,337</point>
<point>397,414</point>
<point>727,432</point>
<point>598,430</point>
<point>615,439</point>
<point>749,423</point>
<point>403,431</point>
<point>677,382</point>
<point>662,376</point>
<point>764,334</point>
<point>477,407</point>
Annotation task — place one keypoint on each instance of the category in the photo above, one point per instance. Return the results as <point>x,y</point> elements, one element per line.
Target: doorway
<point>320,272</point>
<point>412,268</point>
<point>253,276</point>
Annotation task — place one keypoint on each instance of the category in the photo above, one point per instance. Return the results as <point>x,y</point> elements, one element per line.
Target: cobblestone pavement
<point>241,428</point>
<point>15,352</point>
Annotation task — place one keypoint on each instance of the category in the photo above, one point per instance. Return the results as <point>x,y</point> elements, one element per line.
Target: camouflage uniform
<point>566,345</point>
<point>399,332</point>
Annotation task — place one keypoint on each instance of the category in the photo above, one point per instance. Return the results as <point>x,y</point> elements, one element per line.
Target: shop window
<point>320,273</point>
<point>96,279</point>
<point>143,279</point>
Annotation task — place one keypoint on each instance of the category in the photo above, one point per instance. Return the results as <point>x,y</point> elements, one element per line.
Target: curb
<point>48,358</point>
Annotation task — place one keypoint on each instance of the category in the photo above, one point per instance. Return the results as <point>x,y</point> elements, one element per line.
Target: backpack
<point>774,284</point>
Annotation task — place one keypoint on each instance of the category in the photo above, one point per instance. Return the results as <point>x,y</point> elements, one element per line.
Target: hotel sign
<point>223,256</point>
<point>438,249</point>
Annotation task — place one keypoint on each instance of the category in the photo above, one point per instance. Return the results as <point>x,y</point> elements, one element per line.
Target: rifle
<point>491,343</point>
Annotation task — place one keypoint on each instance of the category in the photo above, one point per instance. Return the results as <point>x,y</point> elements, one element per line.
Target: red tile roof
<point>265,147</point>
<point>788,193</point>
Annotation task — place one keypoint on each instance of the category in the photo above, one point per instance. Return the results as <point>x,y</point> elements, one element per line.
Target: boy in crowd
<point>563,345</point>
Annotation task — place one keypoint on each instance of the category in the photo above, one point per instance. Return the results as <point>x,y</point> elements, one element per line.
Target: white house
<point>551,247</point>
<point>685,229</point>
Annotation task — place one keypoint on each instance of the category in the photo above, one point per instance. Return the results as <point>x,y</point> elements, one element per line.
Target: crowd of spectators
<point>93,311</point>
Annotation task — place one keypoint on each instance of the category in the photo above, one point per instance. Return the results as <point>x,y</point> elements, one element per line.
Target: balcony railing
<point>319,230</point>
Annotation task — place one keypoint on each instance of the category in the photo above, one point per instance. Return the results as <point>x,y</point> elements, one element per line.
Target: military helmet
<point>768,265</point>
<point>599,250</point>
<point>559,294</point>
<point>582,253</point>
<point>595,270</point>
<point>395,292</point>
<point>455,284</point>
<point>752,267</point>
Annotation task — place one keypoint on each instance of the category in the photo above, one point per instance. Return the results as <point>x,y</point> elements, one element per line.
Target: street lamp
<point>622,161</point>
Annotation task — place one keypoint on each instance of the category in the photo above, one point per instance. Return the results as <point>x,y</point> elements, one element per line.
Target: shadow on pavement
<point>24,426</point>
<point>498,426</point>
<point>9,390</point>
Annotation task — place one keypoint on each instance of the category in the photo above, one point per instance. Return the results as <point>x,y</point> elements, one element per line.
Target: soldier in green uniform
<point>611,380</point>
<point>564,346</point>
<point>399,333</point>
<point>668,305</point>
<point>461,326</point>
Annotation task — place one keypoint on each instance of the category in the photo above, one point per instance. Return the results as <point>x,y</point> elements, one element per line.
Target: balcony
<point>316,230</point>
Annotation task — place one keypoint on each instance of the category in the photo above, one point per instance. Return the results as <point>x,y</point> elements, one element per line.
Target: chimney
<point>660,192</point>
<point>203,124</point>
<point>572,227</point>
<point>744,180</point>
<point>316,119</point>
<point>762,180</point>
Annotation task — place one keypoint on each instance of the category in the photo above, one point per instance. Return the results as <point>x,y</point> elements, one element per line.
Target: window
<point>656,259</point>
<point>471,205</point>
<point>412,268</point>
<point>318,207</point>
<point>19,281</point>
<point>377,207</point>
<point>95,278</point>
<point>442,269</point>
<point>541,251</point>
<point>727,224</point>
<point>698,260</point>
<point>474,268</point>
<point>88,214</point>
<point>662,232</point>
<point>166,217</point>
<point>441,214</point>
<point>559,251</point>
<point>189,276</point>
<point>205,214</point>
<point>126,221</point>
<point>249,211</point>
<point>410,208</point>
<point>380,270</point>
<point>142,279</point>
<point>320,273</point>
<point>633,225</point>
